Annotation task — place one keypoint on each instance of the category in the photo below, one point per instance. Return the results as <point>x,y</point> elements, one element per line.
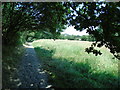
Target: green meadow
<point>69,66</point>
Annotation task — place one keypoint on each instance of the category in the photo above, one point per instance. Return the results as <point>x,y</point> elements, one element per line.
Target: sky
<point>71,31</point>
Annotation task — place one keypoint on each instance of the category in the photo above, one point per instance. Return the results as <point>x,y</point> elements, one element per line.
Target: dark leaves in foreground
<point>92,50</point>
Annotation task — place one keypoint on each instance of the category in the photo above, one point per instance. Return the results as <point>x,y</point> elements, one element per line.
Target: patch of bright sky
<point>99,0</point>
<point>71,31</point>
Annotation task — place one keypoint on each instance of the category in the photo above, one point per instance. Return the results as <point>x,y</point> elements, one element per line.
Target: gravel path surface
<point>30,73</point>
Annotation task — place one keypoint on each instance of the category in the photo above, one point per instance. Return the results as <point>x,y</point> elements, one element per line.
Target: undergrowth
<point>10,58</point>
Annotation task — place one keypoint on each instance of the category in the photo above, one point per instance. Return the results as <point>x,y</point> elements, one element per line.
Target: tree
<point>101,20</point>
<point>87,38</point>
<point>15,20</point>
<point>21,17</point>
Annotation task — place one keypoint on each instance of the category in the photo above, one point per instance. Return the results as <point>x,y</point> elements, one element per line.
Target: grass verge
<point>69,66</point>
<point>10,58</point>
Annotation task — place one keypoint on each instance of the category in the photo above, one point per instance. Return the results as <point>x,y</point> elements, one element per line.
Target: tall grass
<point>69,66</point>
<point>10,58</point>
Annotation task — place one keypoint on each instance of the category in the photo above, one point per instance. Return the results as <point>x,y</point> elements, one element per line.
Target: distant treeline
<point>42,35</point>
<point>77,37</point>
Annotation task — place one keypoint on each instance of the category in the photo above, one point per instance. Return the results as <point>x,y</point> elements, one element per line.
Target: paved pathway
<point>30,73</point>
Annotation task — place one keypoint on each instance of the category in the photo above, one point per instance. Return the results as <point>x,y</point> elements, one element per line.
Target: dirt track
<point>29,73</point>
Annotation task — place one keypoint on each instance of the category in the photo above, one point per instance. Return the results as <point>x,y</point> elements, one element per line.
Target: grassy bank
<point>70,66</point>
<point>10,58</point>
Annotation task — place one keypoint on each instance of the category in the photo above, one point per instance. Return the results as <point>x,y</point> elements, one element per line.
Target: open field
<point>70,66</point>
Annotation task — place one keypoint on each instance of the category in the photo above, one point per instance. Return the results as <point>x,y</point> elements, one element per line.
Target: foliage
<point>87,38</point>
<point>14,20</point>
<point>101,19</point>
<point>20,17</point>
<point>70,67</point>
<point>69,37</point>
<point>10,59</point>
<point>77,37</point>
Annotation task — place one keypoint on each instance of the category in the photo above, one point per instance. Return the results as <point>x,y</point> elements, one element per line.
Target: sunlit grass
<point>71,66</point>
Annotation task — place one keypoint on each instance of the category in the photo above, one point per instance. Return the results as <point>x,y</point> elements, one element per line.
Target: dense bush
<point>87,38</point>
<point>38,35</point>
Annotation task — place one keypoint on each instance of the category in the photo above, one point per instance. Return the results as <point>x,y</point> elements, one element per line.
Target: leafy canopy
<point>101,20</point>
<point>23,17</point>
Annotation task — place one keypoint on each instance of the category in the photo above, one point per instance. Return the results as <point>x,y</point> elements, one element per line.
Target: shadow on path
<point>30,73</point>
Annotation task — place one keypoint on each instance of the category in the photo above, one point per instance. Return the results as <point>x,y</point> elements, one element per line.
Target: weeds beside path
<point>29,73</point>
